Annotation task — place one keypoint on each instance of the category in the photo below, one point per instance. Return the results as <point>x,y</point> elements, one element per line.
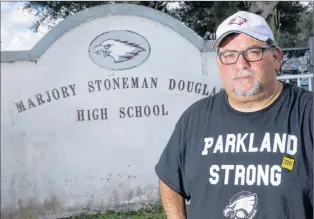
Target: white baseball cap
<point>245,22</point>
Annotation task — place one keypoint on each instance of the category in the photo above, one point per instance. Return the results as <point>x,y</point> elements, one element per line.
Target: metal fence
<point>297,66</point>
<point>304,81</point>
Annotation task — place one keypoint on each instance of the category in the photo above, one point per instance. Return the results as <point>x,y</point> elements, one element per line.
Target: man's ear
<point>278,55</point>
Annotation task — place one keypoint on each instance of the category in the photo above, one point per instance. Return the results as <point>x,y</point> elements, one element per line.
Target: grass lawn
<point>115,215</point>
<point>153,212</point>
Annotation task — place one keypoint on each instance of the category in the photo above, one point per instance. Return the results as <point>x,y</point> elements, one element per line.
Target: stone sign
<point>86,113</point>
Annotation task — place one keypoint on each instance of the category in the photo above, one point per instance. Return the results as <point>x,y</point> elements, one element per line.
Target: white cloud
<point>15,24</point>
<point>23,41</point>
<point>15,32</point>
<point>5,5</point>
<point>173,5</point>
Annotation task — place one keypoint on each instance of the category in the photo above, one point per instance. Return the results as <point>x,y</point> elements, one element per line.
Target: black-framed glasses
<point>229,57</point>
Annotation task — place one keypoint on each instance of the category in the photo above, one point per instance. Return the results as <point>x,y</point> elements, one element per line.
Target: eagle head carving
<point>119,50</point>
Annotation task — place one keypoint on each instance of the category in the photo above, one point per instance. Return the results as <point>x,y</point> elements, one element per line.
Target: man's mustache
<point>242,74</point>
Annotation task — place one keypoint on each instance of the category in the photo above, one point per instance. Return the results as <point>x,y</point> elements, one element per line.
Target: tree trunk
<point>268,11</point>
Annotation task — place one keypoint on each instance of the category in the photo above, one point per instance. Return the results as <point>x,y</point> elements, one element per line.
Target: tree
<point>298,35</point>
<point>288,20</point>
<point>50,12</point>
<point>290,15</point>
<point>268,11</point>
<point>203,17</point>
<point>282,16</point>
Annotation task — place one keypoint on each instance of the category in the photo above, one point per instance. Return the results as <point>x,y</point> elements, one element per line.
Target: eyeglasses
<point>229,57</point>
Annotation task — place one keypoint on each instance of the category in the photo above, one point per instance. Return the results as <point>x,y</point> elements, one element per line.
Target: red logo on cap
<point>238,20</point>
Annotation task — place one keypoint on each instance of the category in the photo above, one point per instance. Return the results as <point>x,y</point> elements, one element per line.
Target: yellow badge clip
<point>287,163</point>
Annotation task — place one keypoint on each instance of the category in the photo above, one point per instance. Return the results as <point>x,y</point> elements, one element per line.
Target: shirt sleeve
<point>170,167</point>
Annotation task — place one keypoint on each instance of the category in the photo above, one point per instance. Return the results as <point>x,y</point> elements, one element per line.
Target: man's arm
<point>173,203</point>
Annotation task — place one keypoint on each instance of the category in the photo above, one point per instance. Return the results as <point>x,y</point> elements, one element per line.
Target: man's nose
<point>242,63</point>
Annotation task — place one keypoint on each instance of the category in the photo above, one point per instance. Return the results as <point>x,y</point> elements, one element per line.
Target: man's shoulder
<point>298,100</point>
<point>298,94</point>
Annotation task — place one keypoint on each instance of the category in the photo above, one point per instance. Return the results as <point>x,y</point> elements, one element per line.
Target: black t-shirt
<point>256,165</point>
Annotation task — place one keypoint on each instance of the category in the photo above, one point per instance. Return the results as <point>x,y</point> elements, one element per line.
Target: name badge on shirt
<point>287,163</point>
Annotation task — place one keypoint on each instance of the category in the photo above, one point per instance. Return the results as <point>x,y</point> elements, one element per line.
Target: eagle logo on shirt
<point>241,206</point>
<point>238,20</point>
<point>119,50</point>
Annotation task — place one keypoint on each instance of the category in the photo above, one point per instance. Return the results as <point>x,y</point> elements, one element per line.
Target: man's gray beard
<point>255,89</point>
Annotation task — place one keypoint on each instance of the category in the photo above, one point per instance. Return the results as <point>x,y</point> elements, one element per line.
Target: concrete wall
<point>79,130</point>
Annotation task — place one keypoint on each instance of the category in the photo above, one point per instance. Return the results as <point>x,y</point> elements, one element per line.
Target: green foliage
<point>298,37</point>
<point>205,16</point>
<point>296,23</point>
<point>290,12</point>
<point>49,12</point>
<point>295,19</point>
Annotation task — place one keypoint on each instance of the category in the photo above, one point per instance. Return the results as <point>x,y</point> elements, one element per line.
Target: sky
<point>15,28</point>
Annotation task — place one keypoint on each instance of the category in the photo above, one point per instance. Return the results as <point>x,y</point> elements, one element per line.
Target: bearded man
<point>246,152</point>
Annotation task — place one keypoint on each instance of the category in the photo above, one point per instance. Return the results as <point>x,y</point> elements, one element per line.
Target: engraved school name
<point>114,84</point>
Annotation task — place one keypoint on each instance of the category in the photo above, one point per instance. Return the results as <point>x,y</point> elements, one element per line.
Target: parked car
<point>304,82</point>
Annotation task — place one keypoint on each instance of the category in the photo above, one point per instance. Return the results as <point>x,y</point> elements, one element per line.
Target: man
<point>246,152</point>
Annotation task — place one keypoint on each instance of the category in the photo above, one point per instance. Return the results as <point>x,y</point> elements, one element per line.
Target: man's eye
<point>229,55</point>
<point>255,52</point>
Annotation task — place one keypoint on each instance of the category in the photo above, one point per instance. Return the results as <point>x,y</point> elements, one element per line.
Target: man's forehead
<point>239,42</point>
